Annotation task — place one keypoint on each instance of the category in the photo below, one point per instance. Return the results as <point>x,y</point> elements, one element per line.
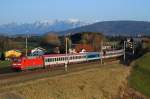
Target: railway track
<point>17,77</point>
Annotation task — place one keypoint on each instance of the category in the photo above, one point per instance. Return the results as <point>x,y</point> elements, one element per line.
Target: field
<point>140,76</point>
<point>5,67</point>
<point>102,82</point>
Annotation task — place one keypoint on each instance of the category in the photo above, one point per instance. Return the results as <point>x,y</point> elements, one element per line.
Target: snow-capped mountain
<point>41,27</point>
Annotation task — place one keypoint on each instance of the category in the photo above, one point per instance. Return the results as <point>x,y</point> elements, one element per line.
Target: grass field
<point>5,67</point>
<point>140,76</point>
<point>93,83</point>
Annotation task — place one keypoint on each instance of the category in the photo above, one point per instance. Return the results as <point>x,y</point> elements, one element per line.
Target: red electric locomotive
<point>23,63</point>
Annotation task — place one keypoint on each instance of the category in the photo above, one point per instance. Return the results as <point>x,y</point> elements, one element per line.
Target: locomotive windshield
<point>16,60</point>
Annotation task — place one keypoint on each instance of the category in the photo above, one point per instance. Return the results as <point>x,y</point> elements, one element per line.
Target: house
<point>71,51</point>
<point>37,51</point>
<point>108,47</point>
<point>83,51</point>
<point>83,47</point>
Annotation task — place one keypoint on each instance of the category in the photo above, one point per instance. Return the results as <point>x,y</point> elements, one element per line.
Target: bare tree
<point>93,39</point>
<point>51,39</point>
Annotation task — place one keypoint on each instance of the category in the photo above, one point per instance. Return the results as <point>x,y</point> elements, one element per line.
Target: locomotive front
<point>17,63</point>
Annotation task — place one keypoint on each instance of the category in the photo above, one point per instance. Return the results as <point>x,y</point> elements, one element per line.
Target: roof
<point>56,55</point>
<point>39,48</point>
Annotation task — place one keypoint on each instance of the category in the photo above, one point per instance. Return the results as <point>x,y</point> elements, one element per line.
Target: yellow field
<point>97,83</point>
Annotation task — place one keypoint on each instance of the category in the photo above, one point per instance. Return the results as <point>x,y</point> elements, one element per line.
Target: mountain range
<point>113,28</point>
<point>40,27</point>
<point>62,27</point>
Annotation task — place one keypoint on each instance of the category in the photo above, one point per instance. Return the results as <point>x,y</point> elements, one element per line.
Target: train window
<point>53,59</point>
<point>50,60</point>
<point>45,60</point>
<point>56,59</point>
<point>76,57</point>
<point>16,60</point>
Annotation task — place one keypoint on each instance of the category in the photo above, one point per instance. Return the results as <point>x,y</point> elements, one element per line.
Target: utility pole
<point>26,46</point>
<point>102,52</point>
<point>124,58</point>
<point>133,48</point>
<point>66,63</point>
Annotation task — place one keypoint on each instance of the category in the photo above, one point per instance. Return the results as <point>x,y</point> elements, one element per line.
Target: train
<point>31,62</point>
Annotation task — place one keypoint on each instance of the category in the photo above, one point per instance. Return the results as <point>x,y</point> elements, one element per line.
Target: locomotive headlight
<point>16,64</point>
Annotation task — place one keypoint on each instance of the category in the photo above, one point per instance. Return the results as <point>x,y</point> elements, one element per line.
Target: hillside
<point>140,76</point>
<point>115,28</point>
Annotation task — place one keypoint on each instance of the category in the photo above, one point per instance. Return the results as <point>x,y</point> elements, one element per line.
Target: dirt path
<point>96,83</point>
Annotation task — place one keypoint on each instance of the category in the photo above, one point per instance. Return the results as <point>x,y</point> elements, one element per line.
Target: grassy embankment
<point>5,67</point>
<point>140,76</point>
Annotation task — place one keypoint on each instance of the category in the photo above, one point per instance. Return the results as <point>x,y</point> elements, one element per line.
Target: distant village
<point>52,43</point>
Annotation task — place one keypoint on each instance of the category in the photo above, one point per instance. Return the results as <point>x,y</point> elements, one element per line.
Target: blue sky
<point>87,10</point>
